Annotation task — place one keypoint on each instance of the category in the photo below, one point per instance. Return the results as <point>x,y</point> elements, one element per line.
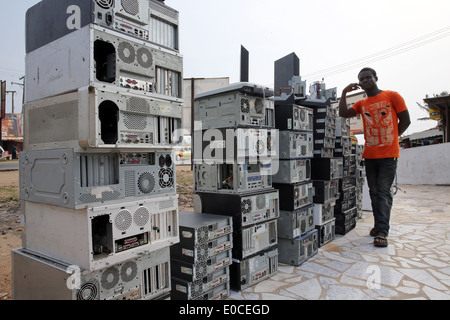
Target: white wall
<point>428,165</point>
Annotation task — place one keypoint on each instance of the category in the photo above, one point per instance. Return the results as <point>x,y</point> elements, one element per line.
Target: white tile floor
<point>415,265</point>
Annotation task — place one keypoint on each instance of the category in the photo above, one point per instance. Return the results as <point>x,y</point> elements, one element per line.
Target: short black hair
<point>370,70</point>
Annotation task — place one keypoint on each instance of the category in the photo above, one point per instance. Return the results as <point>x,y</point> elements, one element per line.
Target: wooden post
<point>447,124</point>
<point>192,121</point>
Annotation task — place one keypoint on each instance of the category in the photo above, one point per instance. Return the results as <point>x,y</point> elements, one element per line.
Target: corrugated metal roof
<point>425,134</point>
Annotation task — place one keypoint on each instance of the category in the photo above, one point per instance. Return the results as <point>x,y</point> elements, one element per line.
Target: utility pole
<point>3,99</point>
<point>2,106</point>
<point>22,85</point>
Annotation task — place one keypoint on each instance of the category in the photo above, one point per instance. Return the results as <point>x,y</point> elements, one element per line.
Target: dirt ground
<point>10,226</point>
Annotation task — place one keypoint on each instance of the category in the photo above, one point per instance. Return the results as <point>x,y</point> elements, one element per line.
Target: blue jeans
<point>380,175</point>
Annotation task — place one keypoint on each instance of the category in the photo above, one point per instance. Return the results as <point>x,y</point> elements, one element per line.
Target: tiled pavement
<point>415,265</point>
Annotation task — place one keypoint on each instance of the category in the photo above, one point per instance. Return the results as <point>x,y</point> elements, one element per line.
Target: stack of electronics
<point>326,170</point>
<point>297,237</point>
<point>357,150</point>
<point>345,210</point>
<point>201,261</point>
<point>234,144</point>
<point>97,176</point>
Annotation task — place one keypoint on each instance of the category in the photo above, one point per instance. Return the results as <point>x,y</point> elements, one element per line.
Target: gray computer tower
<point>245,208</point>
<point>326,232</point>
<point>102,118</point>
<point>298,250</point>
<point>37,277</point>
<point>236,105</point>
<point>193,290</point>
<point>293,224</point>
<point>93,54</point>
<point>295,145</point>
<point>97,237</point>
<point>230,144</point>
<point>62,177</point>
<point>232,178</point>
<point>146,20</point>
<point>248,272</point>
<point>292,171</point>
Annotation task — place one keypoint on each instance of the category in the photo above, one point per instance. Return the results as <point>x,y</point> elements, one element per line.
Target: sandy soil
<point>10,226</point>
<point>10,235</point>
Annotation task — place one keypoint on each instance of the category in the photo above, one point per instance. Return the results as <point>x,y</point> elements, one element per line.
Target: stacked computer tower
<point>357,150</point>
<point>234,146</point>
<point>297,237</point>
<point>97,176</point>
<point>345,210</point>
<point>326,170</point>
<point>200,262</point>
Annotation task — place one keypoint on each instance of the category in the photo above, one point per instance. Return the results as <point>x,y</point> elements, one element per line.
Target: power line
<point>11,73</point>
<point>9,70</point>
<point>387,53</point>
<point>361,64</point>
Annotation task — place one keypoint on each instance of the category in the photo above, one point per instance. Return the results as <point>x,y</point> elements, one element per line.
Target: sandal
<point>380,240</point>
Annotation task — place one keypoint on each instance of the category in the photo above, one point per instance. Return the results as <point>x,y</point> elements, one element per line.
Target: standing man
<point>385,117</point>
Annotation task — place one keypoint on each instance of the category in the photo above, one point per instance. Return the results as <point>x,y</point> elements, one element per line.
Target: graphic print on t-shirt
<point>379,124</point>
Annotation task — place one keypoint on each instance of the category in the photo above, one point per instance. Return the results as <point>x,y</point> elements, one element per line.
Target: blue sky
<point>324,36</point>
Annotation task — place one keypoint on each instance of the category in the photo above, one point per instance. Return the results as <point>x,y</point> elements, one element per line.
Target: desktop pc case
<point>293,117</point>
<point>231,144</point>
<point>296,251</point>
<point>323,212</point>
<point>327,168</point>
<point>201,251</point>
<point>64,178</point>
<point>251,240</point>
<point>145,20</point>
<point>93,55</point>
<point>238,105</point>
<point>293,224</point>
<point>201,228</point>
<point>295,196</point>
<point>245,208</point>
<point>96,237</point>
<point>326,190</point>
<point>292,171</point>
<point>187,290</point>
<point>102,118</point>
<point>236,177</point>
<point>346,220</point>
<point>295,145</point>
<point>326,232</point>
<point>248,272</point>
<point>37,277</point>
<point>192,272</point>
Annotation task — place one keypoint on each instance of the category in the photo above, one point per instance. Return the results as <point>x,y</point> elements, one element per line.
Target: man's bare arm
<point>404,122</point>
<point>344,111</point>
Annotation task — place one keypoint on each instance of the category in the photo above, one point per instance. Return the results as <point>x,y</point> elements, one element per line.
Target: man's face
<point>367,80</point>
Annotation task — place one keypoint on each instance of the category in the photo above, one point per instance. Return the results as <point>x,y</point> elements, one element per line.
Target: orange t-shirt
<point>380,120</point>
